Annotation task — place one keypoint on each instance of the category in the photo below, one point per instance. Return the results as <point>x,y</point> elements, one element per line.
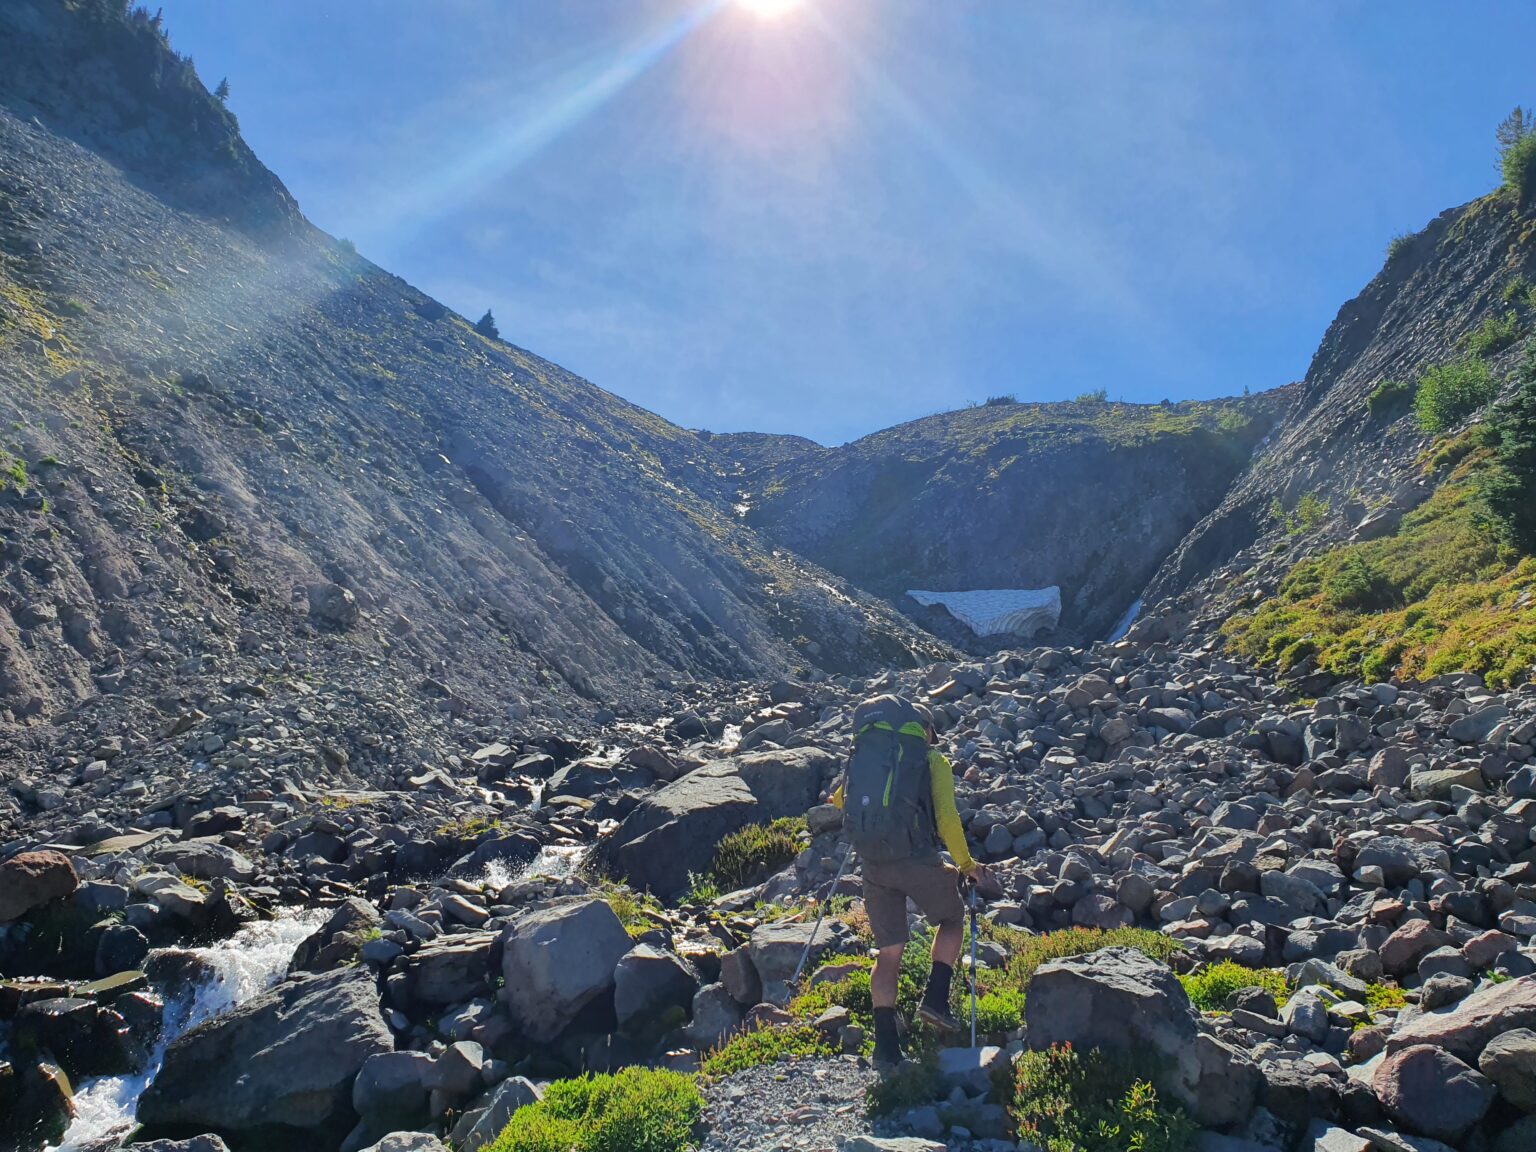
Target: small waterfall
<point>248,963</point>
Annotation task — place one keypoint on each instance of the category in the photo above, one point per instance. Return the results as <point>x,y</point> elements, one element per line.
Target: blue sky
<point>862,211</point>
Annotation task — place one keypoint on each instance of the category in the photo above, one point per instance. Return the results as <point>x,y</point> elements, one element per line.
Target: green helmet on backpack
<point>888,796</point>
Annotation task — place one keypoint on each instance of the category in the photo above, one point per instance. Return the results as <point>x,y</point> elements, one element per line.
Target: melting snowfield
<point>248,963</point>
<point>994,611</point>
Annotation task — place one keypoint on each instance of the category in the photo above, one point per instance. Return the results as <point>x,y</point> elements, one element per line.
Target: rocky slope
<point>221,422</point>
<point>1437,288</point>
<point>1090,496</point>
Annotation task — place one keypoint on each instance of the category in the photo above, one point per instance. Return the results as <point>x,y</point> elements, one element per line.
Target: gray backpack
<point>888,797</point>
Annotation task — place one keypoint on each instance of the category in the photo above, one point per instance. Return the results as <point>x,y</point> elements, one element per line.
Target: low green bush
<point>1398,245</point>
<point>1212,987</point>
<point>1357,583</point>
<point>1517,162</point>
<point>912,1085</point>
<point>751,854</point>
<point>1001,1010</point>
<point>1449,393</point>
<point>1070,1101</point>
<point>765,1046</point>
<point>635,1110</point>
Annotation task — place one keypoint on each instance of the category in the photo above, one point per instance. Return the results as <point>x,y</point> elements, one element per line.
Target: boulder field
<point>488,930</point>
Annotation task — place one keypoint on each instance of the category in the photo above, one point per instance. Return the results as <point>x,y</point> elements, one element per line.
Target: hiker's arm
<point>948,819</point>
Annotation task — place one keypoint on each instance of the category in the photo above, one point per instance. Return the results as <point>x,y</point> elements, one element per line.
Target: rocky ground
<point>1379,836</point>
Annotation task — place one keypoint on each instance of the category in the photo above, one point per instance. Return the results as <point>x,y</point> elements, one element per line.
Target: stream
<point>248,963</point>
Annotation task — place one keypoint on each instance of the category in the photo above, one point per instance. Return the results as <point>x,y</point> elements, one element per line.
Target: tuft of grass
<point>1391,399</point>
<point>631,907</point>
<point>1212,987</point>
<point>1493,335</point>
<point>1398,245</point>
<point>754,853</point>
<point>765,1046</point>
<point>636,1109</point>
<point>1027,952</point>
<point>1449,393</point>
<point>701,890</point>
<point>1070,1101</point>
<point>466,827</point>
<point>1097,396</point>
<point>1309,513</point>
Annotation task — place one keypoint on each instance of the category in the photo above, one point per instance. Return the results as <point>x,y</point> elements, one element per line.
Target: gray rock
<point>1119,998</point>
<point>647,982</point>
<point>556,961</point>
<point>451,969</point>
<point>288,1056</point>
<point>479,1126</point>
<point>408,1142</point>
<point>332,606</point>
<point>716,1014</point>
<point>1509,1061</point>
<point>1430,1092</point>
<point>1475,727</point>
<point>29,880</point>
<point>389,1091</point>
<point>673,832</point>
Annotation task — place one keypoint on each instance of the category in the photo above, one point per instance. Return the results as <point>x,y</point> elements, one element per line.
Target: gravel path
<point>805,1105</point>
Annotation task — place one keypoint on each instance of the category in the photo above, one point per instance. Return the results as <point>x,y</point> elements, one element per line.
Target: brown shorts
<point>932,886</point>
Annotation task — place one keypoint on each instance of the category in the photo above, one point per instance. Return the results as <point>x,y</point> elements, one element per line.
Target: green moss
<point>1211,988</point>
<point>635,1110</point>
<point>1071,1101</point>
<point>765,1046</point>
<point>1379,997</point>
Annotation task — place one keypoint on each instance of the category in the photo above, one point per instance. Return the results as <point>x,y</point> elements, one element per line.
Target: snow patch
<point>1126,621</point>
<point>991,611</point>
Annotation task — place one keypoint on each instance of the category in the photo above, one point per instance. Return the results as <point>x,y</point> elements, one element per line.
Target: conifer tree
<point>486,326</point>
<point>1509,485</point>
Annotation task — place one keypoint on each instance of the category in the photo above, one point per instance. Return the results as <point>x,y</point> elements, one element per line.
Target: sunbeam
<point>502,147</point>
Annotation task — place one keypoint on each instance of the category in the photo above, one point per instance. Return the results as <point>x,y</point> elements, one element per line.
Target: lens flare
<point>769,9</point>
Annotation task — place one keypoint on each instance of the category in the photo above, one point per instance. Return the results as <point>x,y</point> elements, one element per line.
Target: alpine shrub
<point>1508,486</point>
<point>765,1046</point>
<point>1097,1101</point>
<point>1449,393</point>
<point>635,1110</point>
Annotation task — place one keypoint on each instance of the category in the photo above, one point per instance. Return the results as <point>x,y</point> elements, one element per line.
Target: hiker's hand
<point>978,874</point>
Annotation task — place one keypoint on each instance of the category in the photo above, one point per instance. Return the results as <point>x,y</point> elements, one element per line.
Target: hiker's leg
<point>947,941</point>
<point>882,991</point>
<point>882,984</point>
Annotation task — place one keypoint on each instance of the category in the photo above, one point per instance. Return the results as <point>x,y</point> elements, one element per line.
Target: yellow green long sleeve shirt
<point>941,779</point>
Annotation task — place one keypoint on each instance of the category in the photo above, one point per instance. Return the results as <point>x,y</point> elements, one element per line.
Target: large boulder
<point>1118,998</point>
<point>285,1058</point>
<point>649,985</point>
<point>451,970</point>
<point>674,831</point>
<point>31,879</point>
<point>339,939</point>
<point>479,1125</point>
<point>1465,1028</point>
<point>1509,1061</point>
<point>558,960</point>
<point>1429,1091</point>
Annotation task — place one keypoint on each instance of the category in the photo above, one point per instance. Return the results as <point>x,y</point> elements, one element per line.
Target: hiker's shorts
<point>932,886</point>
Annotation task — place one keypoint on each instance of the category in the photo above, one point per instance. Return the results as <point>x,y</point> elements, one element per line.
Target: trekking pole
<point>973,963</point>
<point>806,955</point>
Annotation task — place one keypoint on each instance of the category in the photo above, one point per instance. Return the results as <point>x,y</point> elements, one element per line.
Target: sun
<point>769,9</point>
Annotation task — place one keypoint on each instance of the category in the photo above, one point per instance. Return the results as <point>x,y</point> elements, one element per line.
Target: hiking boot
<point>887,1060</point>
<point>938,1017</point>
<point>888,1055</point>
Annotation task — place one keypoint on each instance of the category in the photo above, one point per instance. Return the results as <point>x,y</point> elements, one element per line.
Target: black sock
<point>887,1039</point>
<point>939,979</point>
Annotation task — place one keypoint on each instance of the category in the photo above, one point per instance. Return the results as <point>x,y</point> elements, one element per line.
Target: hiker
<point>898,800</point>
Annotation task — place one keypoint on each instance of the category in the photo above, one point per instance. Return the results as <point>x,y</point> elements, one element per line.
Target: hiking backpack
<point>888,797</point>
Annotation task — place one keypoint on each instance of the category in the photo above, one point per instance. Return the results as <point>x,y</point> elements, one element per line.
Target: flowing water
<point>554,862</point>
<point>248,963</point>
